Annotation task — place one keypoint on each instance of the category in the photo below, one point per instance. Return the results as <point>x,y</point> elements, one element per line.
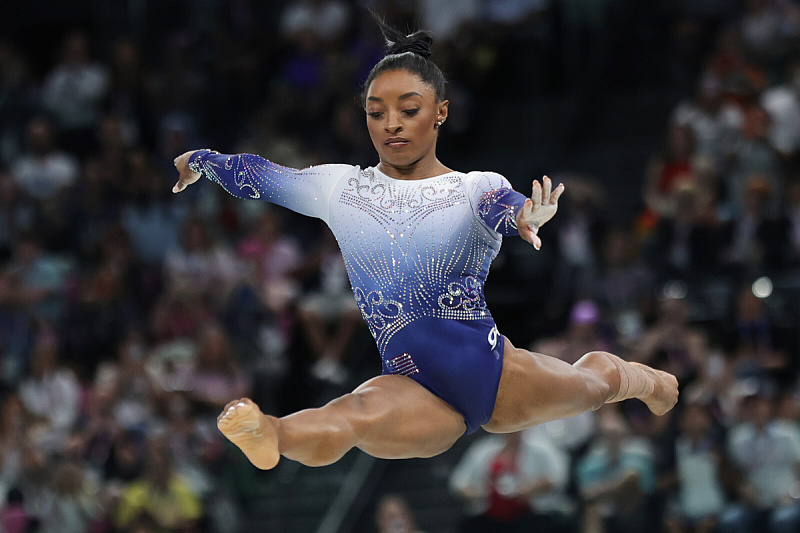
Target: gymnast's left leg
<point>536,388</point>
<point>390,417</point>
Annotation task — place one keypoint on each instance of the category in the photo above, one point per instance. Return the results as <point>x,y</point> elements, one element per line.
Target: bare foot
<point>248,428</point>
<point>665,393</point>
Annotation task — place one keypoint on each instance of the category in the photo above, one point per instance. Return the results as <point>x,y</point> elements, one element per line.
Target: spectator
<point>43,171</point>
<point>329,315</point>
<point>16,330</point>
<point>757,240</point>
<point>200,267</point>
<point>624,287</point>
<point>325,20</point>
<point>767,451</point>
<point>393,516</point>
<point>51,392</point>
<point>513,484</point>
<point>74,90</point>
<point>18,214</point>
<point>699,470</point>
<point>782,103</point>
<point>273,256</point>
<point>445,19</point>
<point>684,244</point>
<point>152,223</point>
<point>127,98</point>
<point>14,424</point>
<point>17,100</point>
<point>74,504</point>
<point>765,27</point>
<point>750,155</point>
<point>754,336</point>
<point>669,169</point>
<point>582,335</point>
<point>580,233</point>
<point>129,386</point>
<point>13,517</point>
<point>615,479</point>
<point>159,494</point>
<point>215,378</point>
<point>671,342</point>
<point>710,118</point>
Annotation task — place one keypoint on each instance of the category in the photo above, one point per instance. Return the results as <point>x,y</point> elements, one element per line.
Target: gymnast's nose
<point>393,124</point>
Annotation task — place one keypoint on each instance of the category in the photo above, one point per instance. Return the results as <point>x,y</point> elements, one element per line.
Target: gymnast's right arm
<point>305,191</point>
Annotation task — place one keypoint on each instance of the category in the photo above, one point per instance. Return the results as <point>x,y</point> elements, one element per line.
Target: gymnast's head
<point>404,99</point>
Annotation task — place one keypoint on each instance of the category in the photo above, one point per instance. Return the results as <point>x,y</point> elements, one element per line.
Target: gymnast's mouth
<point>394,142</point>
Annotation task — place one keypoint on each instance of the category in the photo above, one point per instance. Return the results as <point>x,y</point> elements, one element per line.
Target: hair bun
<point>418,44</point>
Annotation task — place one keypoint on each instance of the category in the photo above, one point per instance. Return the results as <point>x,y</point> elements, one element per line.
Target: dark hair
<point>407,52</point>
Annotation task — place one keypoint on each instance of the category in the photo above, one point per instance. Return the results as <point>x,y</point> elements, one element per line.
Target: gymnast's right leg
<point>390,417</point>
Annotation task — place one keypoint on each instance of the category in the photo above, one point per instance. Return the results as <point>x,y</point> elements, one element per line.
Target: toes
<point>237,407</point>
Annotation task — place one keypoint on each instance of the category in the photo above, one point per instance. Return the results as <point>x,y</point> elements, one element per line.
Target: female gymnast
<point>418,238</point>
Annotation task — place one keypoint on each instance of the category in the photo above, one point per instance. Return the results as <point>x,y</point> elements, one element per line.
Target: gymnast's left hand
<point>186,175</point>
<point>538,209</point>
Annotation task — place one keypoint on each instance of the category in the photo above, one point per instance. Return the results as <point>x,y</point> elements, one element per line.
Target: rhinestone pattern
<point>416,248</point>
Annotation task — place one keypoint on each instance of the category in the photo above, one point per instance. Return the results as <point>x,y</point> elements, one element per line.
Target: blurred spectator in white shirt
<point>444,18</point>
<point>200,266</point>
<point>710,118</point>
<point>782,102</point>
<point>767,452</point>
<point>43,170</point>
<point>327,20</point>
<point>74,90</point>
<point>51,392</point>
<point>698,474</point>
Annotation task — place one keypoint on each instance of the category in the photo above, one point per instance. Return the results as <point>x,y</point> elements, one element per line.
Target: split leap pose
<point>418,238</point>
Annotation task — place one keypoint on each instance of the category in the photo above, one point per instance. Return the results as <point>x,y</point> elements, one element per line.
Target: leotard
<point>417,253</point>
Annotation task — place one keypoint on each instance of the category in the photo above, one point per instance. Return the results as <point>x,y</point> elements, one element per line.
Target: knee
<point>599,374</point>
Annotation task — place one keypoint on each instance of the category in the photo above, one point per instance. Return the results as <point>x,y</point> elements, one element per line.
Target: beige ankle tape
<point>634,380</point>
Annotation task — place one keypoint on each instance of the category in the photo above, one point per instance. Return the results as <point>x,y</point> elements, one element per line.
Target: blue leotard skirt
<point>458,361</point>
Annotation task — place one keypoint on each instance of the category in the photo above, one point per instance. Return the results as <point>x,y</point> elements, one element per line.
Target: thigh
<point>399,419</point>
<point>536,388</point>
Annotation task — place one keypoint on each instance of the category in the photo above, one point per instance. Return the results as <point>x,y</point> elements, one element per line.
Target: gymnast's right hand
<point>186,175</point>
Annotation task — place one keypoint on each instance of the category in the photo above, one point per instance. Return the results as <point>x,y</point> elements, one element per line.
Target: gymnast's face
<point>402,113</point>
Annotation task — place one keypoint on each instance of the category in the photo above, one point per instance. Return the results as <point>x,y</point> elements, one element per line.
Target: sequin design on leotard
<point>412,249</point>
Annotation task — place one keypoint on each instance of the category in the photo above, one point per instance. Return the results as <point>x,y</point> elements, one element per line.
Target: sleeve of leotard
<point>494,202</point>
<point>305,191</point>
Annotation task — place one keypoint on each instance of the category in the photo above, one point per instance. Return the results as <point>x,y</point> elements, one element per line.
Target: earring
<point>440,123</point>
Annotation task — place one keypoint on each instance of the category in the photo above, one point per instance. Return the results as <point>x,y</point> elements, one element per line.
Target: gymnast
<point>417,239</point>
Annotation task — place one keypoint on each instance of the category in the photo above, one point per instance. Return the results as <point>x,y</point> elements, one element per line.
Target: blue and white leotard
<point>417,253</point>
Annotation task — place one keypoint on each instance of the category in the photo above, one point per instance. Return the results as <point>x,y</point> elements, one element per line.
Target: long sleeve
<point>306,191</point>
<point>494,202</point>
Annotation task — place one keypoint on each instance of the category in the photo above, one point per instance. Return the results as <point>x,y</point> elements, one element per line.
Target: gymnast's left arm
<point>305,191</point>
<point>508,212</point>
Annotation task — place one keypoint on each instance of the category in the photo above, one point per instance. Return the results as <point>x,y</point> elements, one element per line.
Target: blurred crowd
<point>129,317</point>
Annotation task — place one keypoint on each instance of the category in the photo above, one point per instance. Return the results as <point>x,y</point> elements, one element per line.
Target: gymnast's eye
<point>411,112</point>
<point>376,114</point>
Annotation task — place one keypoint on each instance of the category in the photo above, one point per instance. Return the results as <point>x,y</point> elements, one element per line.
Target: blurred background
<point>129,316</point>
